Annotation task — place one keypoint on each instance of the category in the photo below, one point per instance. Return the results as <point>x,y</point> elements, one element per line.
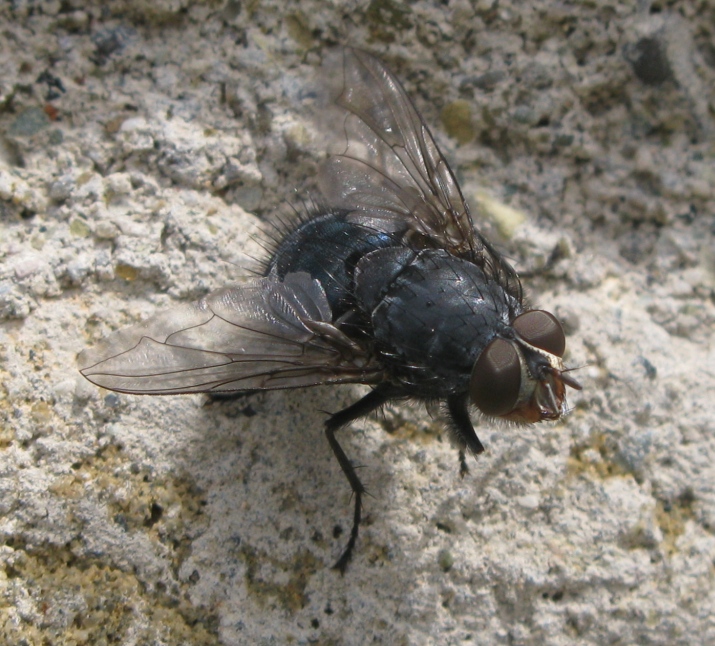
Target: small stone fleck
<point>445,560</point>
<point>29,122</point>
<point>79,228</point>
<point>457,120</point>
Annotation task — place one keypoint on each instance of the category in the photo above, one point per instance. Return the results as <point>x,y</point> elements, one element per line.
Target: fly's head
<point>523,379</point>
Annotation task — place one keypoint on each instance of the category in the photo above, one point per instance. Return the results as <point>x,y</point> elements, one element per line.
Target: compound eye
<point>496,379</point>
<point>542,330</point>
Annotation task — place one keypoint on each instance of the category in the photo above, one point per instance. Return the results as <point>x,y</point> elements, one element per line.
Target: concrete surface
<point>142,144</point>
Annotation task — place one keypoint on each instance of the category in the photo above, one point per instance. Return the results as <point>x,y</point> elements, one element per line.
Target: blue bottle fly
<point>390,285</point>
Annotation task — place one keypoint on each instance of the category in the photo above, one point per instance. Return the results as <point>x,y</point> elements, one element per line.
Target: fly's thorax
<point>432,314</point>
<point>376,273</point>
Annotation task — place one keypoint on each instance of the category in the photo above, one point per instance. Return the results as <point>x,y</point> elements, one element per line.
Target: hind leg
<point>372,401</point>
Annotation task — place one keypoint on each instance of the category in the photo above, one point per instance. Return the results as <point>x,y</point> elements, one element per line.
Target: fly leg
<point>463,429</point>
<point>372,401</point>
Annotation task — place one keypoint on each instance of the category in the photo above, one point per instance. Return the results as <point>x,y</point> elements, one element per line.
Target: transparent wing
<point>263,335</point>
<point>393,170</point>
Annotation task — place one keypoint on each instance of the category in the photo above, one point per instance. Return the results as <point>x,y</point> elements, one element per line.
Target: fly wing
<point>393,170</point>
<point>266,334</point>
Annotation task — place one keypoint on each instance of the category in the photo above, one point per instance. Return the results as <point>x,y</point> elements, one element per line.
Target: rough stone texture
<point>140,146</point>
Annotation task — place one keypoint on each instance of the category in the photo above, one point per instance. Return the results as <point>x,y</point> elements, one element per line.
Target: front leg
<point>462,426</point>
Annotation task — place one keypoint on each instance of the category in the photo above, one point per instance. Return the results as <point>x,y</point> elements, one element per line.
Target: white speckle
<point>529,501</point>
<point>28,264</point>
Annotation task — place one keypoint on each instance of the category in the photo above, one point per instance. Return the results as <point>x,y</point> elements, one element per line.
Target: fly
<point>390,285</point>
